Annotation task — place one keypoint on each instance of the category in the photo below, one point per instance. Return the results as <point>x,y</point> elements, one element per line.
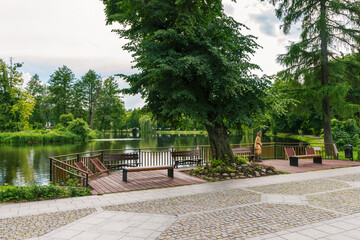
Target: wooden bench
<point>186,157</point>
<point>113,161</point>
<point>294,159</point>
<point>139,169</point>
<point>243,151</point>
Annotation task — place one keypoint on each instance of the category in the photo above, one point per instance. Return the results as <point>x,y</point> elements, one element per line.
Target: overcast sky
<point>46,34</point>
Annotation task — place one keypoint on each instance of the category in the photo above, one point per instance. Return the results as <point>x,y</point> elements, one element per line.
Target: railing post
<point>275,150</point>
<point>87,180</point>
<point>102,156</point>
<point>51,170</point>
<point>140,158</point>
<point>78,157</point>
<point>203,156</point>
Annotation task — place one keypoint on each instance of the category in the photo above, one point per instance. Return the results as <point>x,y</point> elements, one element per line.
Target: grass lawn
<point>302,138</point>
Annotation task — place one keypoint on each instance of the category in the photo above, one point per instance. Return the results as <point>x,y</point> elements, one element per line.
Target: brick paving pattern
<point>244,222</point>
<point>190,203</point>
<point>302,188</point>
<point>37,225</point>
<point>345,201</point>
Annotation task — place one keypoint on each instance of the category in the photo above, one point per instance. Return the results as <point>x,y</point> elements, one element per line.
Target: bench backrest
<point>310,151</point>
<point>121,157</point>
<point>289,152</point>
<point>241,150</point>
<point>186,154</point>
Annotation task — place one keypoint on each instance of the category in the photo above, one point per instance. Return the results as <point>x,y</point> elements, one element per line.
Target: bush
<point>345,132</point>
<point>241,160</point>
<point>216,162</point>
<point>79,127</point>
<point>65,119</point>
<point>35,192</point>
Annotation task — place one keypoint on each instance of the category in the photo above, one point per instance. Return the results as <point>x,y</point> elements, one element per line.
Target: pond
<point>25,164</point>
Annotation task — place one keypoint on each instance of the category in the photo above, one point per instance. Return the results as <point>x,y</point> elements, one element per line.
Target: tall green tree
<point>38,91</point>
<point>193,61</point>
<point>16,105</point>
<point>90,83</point>
<point>110,110</point>
<point>60,94</point>
<point>327,27</point>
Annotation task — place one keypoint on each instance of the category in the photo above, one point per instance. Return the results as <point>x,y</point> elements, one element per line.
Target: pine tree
<point>328,27</point>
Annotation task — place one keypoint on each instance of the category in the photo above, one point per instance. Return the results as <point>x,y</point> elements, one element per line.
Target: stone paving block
<point>86,236</point>
<point>339,237</point>
<point>108,236</point>
<point>296,236</point>
<point>314,233</point>
<point>65,234</point>
<point>329,229</point>
<point>353,233</point>
<point>344,225</point>
<point>150,225</point>
<point>140,233</point>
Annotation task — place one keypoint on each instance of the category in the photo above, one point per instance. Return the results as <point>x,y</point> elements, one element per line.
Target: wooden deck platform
<point>306,165</point>
<point>139,181</point>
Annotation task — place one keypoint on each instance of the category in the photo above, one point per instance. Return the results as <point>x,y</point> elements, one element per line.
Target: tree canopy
<point>193,61</point>
<point>328,28</point>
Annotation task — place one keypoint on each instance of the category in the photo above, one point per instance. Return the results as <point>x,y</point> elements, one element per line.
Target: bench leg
<point>317,160</point>
<point>171,172</point>
<point>294,161</point>
<point>124,175</point>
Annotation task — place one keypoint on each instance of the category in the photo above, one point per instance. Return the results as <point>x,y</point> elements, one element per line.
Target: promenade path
<point>312,205</point>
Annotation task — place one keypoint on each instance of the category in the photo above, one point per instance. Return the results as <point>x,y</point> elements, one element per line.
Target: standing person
<point>257,147</point>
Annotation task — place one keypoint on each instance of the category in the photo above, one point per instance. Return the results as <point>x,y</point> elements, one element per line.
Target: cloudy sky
<point>46,34</point>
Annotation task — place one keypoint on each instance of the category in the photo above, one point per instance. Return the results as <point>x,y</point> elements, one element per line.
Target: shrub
<point>345,132</point>
<point>79,127</point>
<point>35,192</point>
<point>65,119</point>
<point>241,160</point>
<point>216,162</point>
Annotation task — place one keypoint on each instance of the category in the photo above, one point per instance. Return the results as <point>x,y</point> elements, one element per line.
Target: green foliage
<point>147,124</point>
<point>193,61</point>
<point>328,27</point>
<point>60,95</point>
<point>65,119</point>
<point>133,118</point>
<point>241,160</point>
<point>110,108</point>
<point>16,105</point>
<point>35,192</point>
<point>38,137</point>
<point>345,132</point>
<point>79,127</point>
<point>216,162</point>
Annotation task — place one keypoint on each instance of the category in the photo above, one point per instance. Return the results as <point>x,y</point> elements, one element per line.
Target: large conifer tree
<point>328,27</point>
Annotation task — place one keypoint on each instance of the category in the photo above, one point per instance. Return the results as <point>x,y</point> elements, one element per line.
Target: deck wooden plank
<point>139,181</point>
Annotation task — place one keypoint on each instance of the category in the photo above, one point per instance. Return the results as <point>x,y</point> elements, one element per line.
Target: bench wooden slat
<point>138,169</point>
<point>121,160</point>
<point>169,168</point>
<point>307,156</point>
<point>186,157</point>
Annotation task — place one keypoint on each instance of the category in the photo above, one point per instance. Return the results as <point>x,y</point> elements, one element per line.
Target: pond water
<point>25,164</point>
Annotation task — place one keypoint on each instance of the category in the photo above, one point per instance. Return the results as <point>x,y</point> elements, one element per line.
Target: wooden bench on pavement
<point>186,157</point>
<point>139,169</point>
<point>294,159</point>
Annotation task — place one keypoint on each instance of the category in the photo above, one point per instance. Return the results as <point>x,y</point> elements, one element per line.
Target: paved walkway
<point>312,205</point>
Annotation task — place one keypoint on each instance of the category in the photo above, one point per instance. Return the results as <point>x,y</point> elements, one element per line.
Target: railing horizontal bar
<point>70,172</point>
<point>66,164</point>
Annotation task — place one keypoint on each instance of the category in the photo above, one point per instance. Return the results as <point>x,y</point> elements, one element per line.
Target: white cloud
<point>46,34</point>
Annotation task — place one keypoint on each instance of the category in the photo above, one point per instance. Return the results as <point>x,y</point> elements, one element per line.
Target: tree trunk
<point>93,107</point>
<point>219,143</point>
<point>325,80</point>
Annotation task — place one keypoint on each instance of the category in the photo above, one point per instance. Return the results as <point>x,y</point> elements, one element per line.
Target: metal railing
<point>63,167</point>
